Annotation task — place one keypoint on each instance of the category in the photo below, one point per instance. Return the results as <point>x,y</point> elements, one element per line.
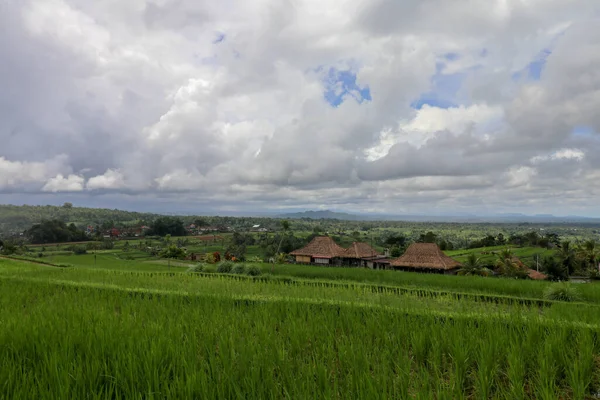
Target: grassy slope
<point>74,335</point>
<point>488,254</point>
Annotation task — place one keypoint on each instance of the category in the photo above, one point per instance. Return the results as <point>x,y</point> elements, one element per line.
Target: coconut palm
<point>567,256</point>
<point>589,253</point>
<point>508,265</point>
<point>473,267</point>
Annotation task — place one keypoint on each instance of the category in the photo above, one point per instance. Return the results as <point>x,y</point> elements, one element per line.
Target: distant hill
<point>15,219</point>
<point>325,214</point>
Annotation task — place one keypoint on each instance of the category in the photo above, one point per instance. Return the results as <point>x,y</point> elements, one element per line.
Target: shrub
<point>210,258</point>
<point>40,255</point>
<point>209,269</point>
<point>224,267</point>
<point>197,268</point>
<point>79,250</point>
<point>238,269</point>
<point>562,292</point>
<point>254,259</point>
<point>254,271</point>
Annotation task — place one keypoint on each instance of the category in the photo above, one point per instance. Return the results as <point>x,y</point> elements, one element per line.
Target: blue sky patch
<point>533,71</point>
<point>583,131</point>
<point>342,83</point>
<point>444,90</point>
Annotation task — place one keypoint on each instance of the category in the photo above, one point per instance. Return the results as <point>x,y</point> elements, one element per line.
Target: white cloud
<point>562,154</point>
<point>18,173</point>
<point>111,179</point>
<point>60,183</point>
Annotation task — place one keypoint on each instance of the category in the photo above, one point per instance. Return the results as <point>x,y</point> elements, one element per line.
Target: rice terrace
<point>272,308</point>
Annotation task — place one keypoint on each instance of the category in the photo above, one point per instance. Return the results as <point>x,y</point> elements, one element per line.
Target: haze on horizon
<point>412,107</point>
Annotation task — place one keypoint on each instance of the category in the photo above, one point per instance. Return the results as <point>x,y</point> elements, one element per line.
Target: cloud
<point>365,104</point>
<point>111,179</point>
<point>59,183</point>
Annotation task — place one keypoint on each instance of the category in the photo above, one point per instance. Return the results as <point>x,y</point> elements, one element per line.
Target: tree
<point>509,266</point>
<point>285,225</point>
<point>474,267</point>
<point>566,256</point>
<point>500,240</point>
<point>55,231</point>
<point>428,237</point>
<point>395,251</point>
<point>589,254</point>
<point>173,252</point>
<point>555,270</point>
<point>167,225</point>
<point>68,205</point>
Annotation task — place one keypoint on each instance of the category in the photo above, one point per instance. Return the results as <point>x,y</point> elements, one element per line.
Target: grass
<point>82,342</point>
<point>85,332</point>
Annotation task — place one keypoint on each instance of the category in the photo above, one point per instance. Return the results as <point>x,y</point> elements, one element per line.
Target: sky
<point>418,106</point>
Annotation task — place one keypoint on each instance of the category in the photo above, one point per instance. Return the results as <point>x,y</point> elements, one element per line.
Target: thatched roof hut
<point>360,250</point>
<point>425,257</point>
<point>319,249</point>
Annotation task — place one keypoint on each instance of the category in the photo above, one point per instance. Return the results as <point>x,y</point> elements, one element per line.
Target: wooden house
<point>361,254</point>
<point>320,250</point>
<point>425,257</point>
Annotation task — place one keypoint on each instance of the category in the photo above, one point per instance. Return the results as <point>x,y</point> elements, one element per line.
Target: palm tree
<point>507,264</point>
<point>473,267</point>
<point>566,255</point>
<point>590,253</point>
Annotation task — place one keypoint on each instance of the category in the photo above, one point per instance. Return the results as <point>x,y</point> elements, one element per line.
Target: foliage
<point>555,270</point>
<point>163,226</point>
<point>238,269</point>
<point>395,251</point>
<point>210,258</point>
<point>254,259</point>
<point>508,266</point>
<point>173,252</point>
<point>8,247</point>
<point>224,267</point>
<point>281,258</point>
<point>253,270</point>
<point>474,267</point>
<point>197,268</point>
<point>55,231</point>
<point>566,255</point>
<point>79,250</point>
<point>562,291</point>
<point>236,250</point>
<point>209,269</point>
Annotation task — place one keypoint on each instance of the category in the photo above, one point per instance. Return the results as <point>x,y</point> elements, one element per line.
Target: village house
<point>425,257</point>
<point>321,250</point>
<point>361,254</point>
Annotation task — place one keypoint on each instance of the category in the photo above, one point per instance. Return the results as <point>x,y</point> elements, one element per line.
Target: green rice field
<point>132,329</point>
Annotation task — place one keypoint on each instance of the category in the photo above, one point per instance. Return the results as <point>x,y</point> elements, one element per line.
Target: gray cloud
<point>105,100</point>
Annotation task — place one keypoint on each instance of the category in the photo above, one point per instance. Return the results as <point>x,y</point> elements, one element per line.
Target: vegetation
<point>207,335</point>
<point>562,292</point>
<point>163,226</point>
<point>55,231</point>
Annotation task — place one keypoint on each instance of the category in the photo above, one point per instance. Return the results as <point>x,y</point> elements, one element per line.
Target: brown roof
<point>535,275</point>
<point>359,250</point>
<point>425,256</point>
<point>320,246</point>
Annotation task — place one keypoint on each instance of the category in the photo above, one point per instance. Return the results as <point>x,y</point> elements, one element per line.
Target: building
<point>361,254</point>
<point>325,251</point>
<point>425,257</point>
<point>321,250</point>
